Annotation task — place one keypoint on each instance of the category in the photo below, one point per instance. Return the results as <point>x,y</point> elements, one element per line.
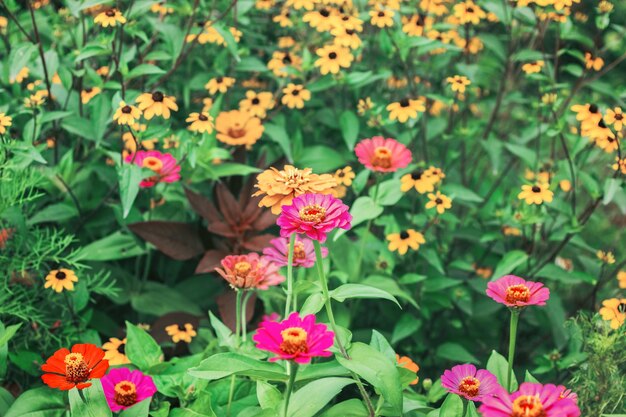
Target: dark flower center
<point>157,96</point>
<point>621,307</point>
<point>203,118</point>
<point>287,59</point>
<point>350,32</point>
<point>404,235</point>
<point>417,175</point>
<point>255,101</point>
<point>60,275</point>
<point>88,90</point>
<point>602,124</point>
<point>181,328</point>
<point>110,12</point>
<point>438,201</point>
<point>126,109</point>
<point>404,102</point>
<point>470,9</point>
<point>295,92</point>
<point>536,189</point>
<point>122,348</point>
<point>619,116</point>
<point>381,14</point>
<point>593,108</point>
<point>332,55</point>
<point>325,12</point>
<point>219,80</point>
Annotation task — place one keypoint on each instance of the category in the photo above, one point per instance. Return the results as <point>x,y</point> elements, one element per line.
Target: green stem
<point>231,395</point>
<point>368,226</point>
<point>512,339</point>
<point>292,243</point>
<point>292,369</point>
<point>239,294</point>
<point>244,320</point>
<point>81,394</point>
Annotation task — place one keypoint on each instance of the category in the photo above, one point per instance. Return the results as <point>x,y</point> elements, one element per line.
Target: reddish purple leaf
<point>177,240</point>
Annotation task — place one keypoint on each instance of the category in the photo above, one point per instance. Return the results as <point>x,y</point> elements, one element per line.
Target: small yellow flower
<point>404,240</point>
<point>405,109</point>
<point>458,83</point>
<point>616,118</point>
<point>61,279</point>
<point>621,279</point>
<point>200,122</point>
<point>469,12</point>
<point>294,96</point>
<point>89,93</point>
<point>536,194</point>
<point>257,104</point>
<point>364,105</point>
<point>126,114</point>
<point>593,63</point>
<point>221,84</point>
<point>110,17</point>
<point>156,104</point>
<point>332,58</point>
<point>565,185</point>
<point>115,351</point>
<point>614,311</point>
<point>382,18</point>
<point>20,76</point>
<point>533,67</point>
<point>181,332</point>
<point>511,231</point>
<point>606,257</point>
<point>344,176</point>
<point>439,201</point>
<point>5,121</point>
<point>420,180</point>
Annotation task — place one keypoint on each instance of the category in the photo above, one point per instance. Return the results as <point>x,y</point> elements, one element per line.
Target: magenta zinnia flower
<point>514,291</point>
<point>303,252</point>
<point>315,215</point>
<point>382,155</point>
<point>297,339</point>
<point>466,381</point>
<point>531,400</point>
<point>250,271</point>
<point>124,388</point>
<point>164,166</point>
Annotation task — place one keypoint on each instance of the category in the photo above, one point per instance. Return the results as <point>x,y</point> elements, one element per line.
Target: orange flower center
<point>382,157</point>
<point>76,370</point>
<point>125,393</point>
<point>313,213</point>
<point>528,406</point>
<point>298,251</point>
<point>236,131</point>
<point>469,386</point>
<point>242,269</point>
<point>517,293</point>
<point>294,340</point>
<point>152,163</point>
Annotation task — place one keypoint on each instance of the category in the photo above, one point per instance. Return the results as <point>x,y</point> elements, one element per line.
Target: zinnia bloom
<point>303,252</point>
<point>614,311</point>
<point>281,187</point>
<point>164,166</point>
<point>126,114</point>
<point>315,215</point>
<point>181,332</point>
<point>404,240</point>
<point>382,155</point>
<point>250,271</point>
<point>156,104</point>
<point>238,128</point>
<point>531,400</point>
<point>124,388</point>
<point>61,279</point>
<point>66,370</point>
<point>115,351</point>
<point>536,194</point>
<point>516,292</point>
<point>406,362</point>
<point>297,339</point>
<point>466,381</point>
<point>110,17</point>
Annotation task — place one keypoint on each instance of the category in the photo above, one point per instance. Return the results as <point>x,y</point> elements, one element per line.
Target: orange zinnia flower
<point>67,370</point>
<point>406,362</point>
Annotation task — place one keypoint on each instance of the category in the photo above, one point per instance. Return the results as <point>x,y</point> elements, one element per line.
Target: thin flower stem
<point>81,394</point>
<point>292,369</point>
<point>238,296</point>
<point>231,394</point>
<point>512,340</point>
<point>244,319</point>
<point>292,243</point>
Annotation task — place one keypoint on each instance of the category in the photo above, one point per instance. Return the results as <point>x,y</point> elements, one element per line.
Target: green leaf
<point>312,304</point>
<point>499,366</point>
<point>222,365</point>
<point>158,299</point>
<point>349,408</point>
<point>130,176</point>
<point>346,291</point>
<point>364,208</point>
<point>6,399</point>
<point>321,158</point>
<point>459,192</point>
<point>611,186</point>
<point>455,352</point>
<point>140,409</point>
<point>471,410</point>
<point>231,44</point>
<point>268,395</point>
<point>94,405</point>
<point>349,124</point>
<point>39,402</point>
<point>228,169</point>
<point>378,370</point>
<point>19,57</point>
<point>113,247</point>
<point>142,350</point>
<point>279,135</point>
<point>314,396</point>
<point>509,262</point>
<point>388,194</point>
<point>452,406</point>
<point>223,333</point>
<point>144,69</point>
<point>528,377</point>
<point>8,333</point>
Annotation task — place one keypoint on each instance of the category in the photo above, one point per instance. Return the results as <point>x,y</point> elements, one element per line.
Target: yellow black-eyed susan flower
<point>458,83</point>
<point>257,104</point>
<point>322,20</point>
<point>405,109</point>
<point>420,180</point>
<point>615,117</point>
<point>181,332</point>
<point>381,18</point>
<point>5,121</point>
<point>614,311</point>
<point>404,240</point>
<point>591,62</point>
<point>87,94</point>
<point>294,96</point>
<point>364,105</point>
<point>533,67</point>
<point>115,351</point>
<point>61,279</point>
<point>416,25</point>
<point>283,18</point>
<point>536,194</point>
<point>219,84</point>
<point>469,12</point>
<point>332,58</point>
<point>439,201</point>
<point>126,114</point>
<point>200,122</point>
<point>156,104</point>
<point>110,17</point>
<point>344,176</point>
<point>606,257</point>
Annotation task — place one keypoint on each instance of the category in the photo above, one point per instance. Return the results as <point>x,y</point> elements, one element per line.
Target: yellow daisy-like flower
<point>238,128</point>
<point>458,83</point>
<point>285,42</point>
<point>181,332</point>
<point>591,62</point>
<point>511,231</point>
<point>405,109</point>
<point>439,201</point>
<point>536,194</point>
<point>115,351</point>
<point>416,25</point>
<point>20,76</point>
<point>565,185</point>
<point>616,118</point>
<point>103,71</point>
<point>346,37</point>
<point>404,240</point>
<point>126,114</point>
<point>322,20</point>
<point>469,12</point>
<point>257,104</point>
<point>5,121</point>
<point>364,105</point>
<point>221,84</point>
<point>301,4</point>
<point>110,17</point>
<point>200,122</point>
<point>533,67</point>
<point>435,173</point>
<point>606,256</point>
<point>61,279</point>
<point>207,103</point>
<point>621,279</point>
<point>620,164</point>
<point>294,96</point>
<point>614,311</point>
<point>35,100</point>
<point>87,94</point>
<point>381,18</point>
<point>281,61</point>
<point>156,104</point>
<point>283,18</point>
<point>420,180</point>
<point>344,176</point>
<point>332,58</point>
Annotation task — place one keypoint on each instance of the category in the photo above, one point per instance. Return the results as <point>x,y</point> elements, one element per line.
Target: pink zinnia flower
<point>303,252</point>
<point>532,400</point>
<point>164,166</point>
<point>382,155</point>
<point>315,215</point>
<point>466,381</point>
<point>124,388</point>
<point>297,339</point>
<point>514,291</point>
<point>250,271</point>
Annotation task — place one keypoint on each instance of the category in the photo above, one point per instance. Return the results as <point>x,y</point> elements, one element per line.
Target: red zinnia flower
<point>383,155</point>
<point>67,370</point>
<point>514,291</point>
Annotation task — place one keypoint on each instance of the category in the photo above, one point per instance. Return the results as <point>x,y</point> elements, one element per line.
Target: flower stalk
<point>512,339</point>
<point>292,369</point>
<point>292,243</point>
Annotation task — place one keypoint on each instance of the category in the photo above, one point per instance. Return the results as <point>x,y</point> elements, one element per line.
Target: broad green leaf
<point>39,402</point>
<point>222,365</point>
<point>113,247</point>
<point>228,169</point>
<point>349,124</point>
<point>279,135</point>
<point>509,262</point>
<point>388,193</point>
<point>157,299</point>
<point>313,304</point>
<point>142,350</point>
<point>471,410</point>
<point>346,291</point>
<point>94,405</point>
<point>452,406</point>
<point>224,335</point>
<point>268,395</point>
<point>455,352</point>
<point>459,192</point>
<point>314,396</point>
<point>498,365</point>
<point>140,409</point>
<point>144,69</point>
<point>231,43</point>
<point>611,186</point>
<point>8,333</point>
<point>6,399</point>
<point>20,56</point>
<point>349,408</point>
<point>130,176</point>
